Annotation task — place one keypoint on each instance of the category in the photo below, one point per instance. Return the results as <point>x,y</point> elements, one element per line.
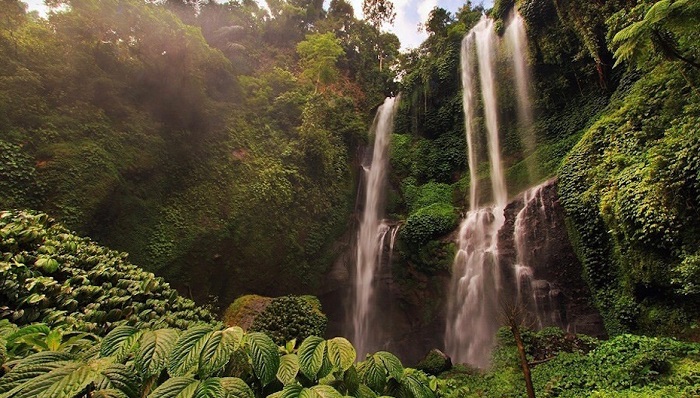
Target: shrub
<point>428,223</point>
<point>290,317</point>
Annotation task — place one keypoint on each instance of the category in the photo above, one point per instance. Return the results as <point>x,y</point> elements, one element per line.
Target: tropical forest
<point>349,198</point>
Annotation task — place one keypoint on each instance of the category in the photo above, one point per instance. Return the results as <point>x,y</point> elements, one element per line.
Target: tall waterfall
<point>372,232</point>
<point>476,287</point>
<point>516,39</point>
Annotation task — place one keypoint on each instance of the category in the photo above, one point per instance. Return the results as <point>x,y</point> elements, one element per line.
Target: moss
<point>243,311</point>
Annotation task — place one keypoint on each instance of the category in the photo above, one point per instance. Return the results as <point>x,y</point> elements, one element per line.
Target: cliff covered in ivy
<point>616,121</point>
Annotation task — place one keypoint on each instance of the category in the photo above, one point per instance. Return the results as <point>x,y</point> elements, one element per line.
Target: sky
<point>409,14</point>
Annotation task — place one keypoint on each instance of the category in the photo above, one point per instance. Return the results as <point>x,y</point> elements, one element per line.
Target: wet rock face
<point>545,273</point>
<point>411,318</point>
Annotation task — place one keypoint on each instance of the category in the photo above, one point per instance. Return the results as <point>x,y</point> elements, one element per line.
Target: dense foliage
<point>577,366</point>
<point>630,187</point>
<point>52,276</point>
<point>167,129</point>
<point>203,361</point>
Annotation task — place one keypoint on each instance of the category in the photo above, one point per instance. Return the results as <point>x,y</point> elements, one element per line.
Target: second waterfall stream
<point>372,234</point>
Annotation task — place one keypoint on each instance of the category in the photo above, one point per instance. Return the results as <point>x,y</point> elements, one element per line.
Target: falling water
<point>372,232</point>
<point>476,287</point>
<point>536,295</point>
<point>516,38</point>
<point>473,303</point>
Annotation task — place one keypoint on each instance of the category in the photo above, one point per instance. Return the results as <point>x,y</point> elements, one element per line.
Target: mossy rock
<point>435,362</point>
<point>282,318</point>
<point>243,311</point>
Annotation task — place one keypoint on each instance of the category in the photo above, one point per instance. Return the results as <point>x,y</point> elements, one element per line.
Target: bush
<point>428,223</point>
<point>52,276</point>
<point>291,317</point>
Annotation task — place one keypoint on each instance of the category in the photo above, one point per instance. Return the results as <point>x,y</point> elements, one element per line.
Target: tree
<point>667,27</point>
<point>319,53</point>
<point>378,12</point>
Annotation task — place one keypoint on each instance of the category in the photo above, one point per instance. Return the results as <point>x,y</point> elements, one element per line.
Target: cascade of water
<point>532,224</point>
<point>476,287</point>
<point>516,38</point>
<point>473,303</point>
<point>372,232</point>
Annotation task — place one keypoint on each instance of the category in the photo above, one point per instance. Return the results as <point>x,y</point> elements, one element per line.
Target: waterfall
<point>476,288</point>
<point>536,295</point>
<point>372,232</point>
<point>516,39</point>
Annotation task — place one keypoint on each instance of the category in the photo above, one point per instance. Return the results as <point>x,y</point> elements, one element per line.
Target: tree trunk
<point>523,360</point>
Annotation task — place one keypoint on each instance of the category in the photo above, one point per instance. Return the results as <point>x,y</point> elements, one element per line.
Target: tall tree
<point>319,53</point>
<point>379,11</point>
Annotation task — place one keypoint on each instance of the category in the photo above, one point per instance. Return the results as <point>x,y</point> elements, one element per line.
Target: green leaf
<point>392,364</point>
<point>218,350</point>
<point>372,373</point>
<point>289,367</point>
<point>152,355</point>
<point>209,388</point>
<point>120,342</point>
<point>311,354</point>
<point>176,387</point>
<point>289,391</point>
<point>341,353</point>
<point>236,388</point>
<point>263,353</point>
<point>184,358</point>
<point>320,392</point>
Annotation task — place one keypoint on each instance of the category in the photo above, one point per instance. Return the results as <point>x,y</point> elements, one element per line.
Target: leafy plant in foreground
<point>206,361</point>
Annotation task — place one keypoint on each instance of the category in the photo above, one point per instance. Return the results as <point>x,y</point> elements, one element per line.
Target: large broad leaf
<point>67,380</point>
<point>111,393</point>
<point>218,350</point>
<point>417,387</point>
<point>32,366</point>
<point>364,391</point>
<point>320,392</point>
<point>210,388</point>
<point>289,367</point>
<point>152,356</point>
<point>392,364</point>
<point>236,388</point>
<point>121,341</point>
<point>184,358</point>
<point>311,354</point>
<point>341,353</point>
<point>31,330</point>
<point>372,373</point>
<point>290,391</point>
<point>263,353</point>
<point>176,387</point>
